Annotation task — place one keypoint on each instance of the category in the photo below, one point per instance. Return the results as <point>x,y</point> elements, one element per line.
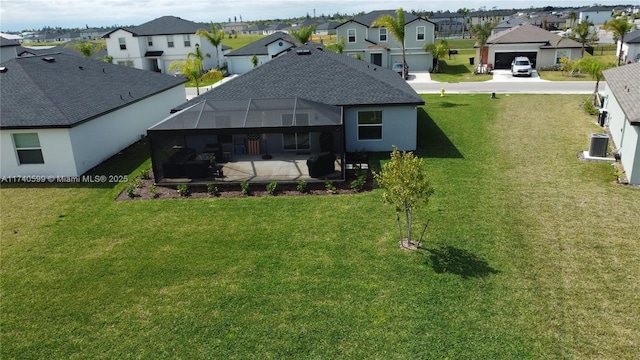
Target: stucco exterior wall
<point>56,151</point>
<point>626,138</point>
<point>399,128</point>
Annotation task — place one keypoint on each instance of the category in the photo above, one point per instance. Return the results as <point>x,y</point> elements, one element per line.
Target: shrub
<point>213,190</point>
<point>302,186</point>
<point>153,190</point>
<point>589,108</point>
<point>131,190</point>
<point>136,182</point>
<point>144,173</point>
<point>358,183</point>
<point>244,187</point>
<point>272,187</point>
<point>183,190</point>
<point>328,185</point>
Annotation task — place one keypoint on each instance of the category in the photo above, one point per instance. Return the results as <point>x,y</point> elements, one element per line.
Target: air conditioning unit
<point>598,146</point>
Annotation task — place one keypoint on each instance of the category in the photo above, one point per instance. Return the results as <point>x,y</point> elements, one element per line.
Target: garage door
<point>504,59</point>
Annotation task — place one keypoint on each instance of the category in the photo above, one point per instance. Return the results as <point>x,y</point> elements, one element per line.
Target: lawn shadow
<point>453,69</point>
<point>432,141</point>
<point>452,260</point>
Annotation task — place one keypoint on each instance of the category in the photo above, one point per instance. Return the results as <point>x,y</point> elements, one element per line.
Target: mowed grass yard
<point>530,254</point>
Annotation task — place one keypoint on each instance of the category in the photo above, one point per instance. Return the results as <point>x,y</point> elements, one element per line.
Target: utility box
<point>598,146</point>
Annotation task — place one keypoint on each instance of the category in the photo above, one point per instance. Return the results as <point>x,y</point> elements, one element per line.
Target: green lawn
<point>458,68</point>
<point>531,254</point>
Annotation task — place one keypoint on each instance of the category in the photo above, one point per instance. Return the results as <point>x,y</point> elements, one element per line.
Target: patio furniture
<point>321,164</point>
<point>173,167</point>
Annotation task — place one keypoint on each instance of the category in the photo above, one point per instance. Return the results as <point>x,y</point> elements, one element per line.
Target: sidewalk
<point>191,91</point>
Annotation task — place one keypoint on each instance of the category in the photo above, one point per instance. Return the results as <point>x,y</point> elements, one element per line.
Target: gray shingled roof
<point>624,82</point>
<point>259,47</point>
<point>317,75</point>
<point>62,48</point>
<point>71,90</point>
<point>4,42</point>
<point>368,18</point>
<point>632,37</point>
<point>527,34</point>
<point>166,25</point>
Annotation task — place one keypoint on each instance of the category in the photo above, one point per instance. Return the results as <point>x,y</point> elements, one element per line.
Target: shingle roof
<point>632,37</point>
<point>368,18</point>
<point>166,25</point>
<point>6,42</point>
<point>259,47</point>
<point>71,90</point>
<point>624,82</point>
<point>62,48</point>
<point>527,33</point>
<point>317,75</point>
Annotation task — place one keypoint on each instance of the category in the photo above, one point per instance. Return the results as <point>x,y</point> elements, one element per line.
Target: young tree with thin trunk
<point>86,48</point>
<point>215,38</point>
<point>191,68</point>
<point>584,33</point>
<point>396,26</point>
<point>594,67</point>
<point>482,32</point>
<point>405,185</point>
<point>464,12</point>
<point>619,27</point>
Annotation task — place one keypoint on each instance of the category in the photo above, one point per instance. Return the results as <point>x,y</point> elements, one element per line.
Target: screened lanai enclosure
<point>254,140</point>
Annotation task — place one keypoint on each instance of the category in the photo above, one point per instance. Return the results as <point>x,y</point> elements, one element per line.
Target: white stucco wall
<point>625,137</point>
<point>74,151</point>
<point>56,151</point>
<point>7,53</point>
<point>399,128</point>
<point>242,64</point>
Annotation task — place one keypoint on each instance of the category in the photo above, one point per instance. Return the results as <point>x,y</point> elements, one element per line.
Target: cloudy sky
<point>16,15</point>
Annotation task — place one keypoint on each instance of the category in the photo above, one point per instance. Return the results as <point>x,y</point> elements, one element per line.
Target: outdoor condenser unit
<point>598,146</point>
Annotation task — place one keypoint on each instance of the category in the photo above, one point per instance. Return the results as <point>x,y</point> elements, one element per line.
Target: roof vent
<point>103,71</point>
<point>49,59</point>
<point>80,67</point>
<point>3,69</point>
<point>303,52</point>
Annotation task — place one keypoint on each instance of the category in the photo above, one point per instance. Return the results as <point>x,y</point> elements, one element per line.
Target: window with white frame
<point>370,125</point>
<point>28,148</point>
<point>150,40</point>
<point>123,43</point>
<point>187,40</point>
<point>562,53</point>
<point>383,34</point>
<point>170,41</point>
<point>297,140</point>
<point>420,31</point>
<point>351,35</point>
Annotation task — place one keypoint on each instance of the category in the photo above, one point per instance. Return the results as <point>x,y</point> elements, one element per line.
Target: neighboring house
<point>255,30</point>
<point>378,46</point>
<point>265,49</point>
<point>622,101</point>
<point>481,17</point>
<point>596,14</point>
<point>234,27</point>
<point>62,115</point>
<point>448,22</point>
<point>154,45</point>
<point>376,110</point>
<point>91,34</point>
<point>8,49</point>
<point>326,28</point>
<point>542,47</point>
<point>275,28</point>
<point>630,47</point>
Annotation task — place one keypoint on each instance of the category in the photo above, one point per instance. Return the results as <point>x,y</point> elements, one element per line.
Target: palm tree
<point>482,32</point>
<point>304,34</point>
<point>464,12</point>
<point>584,34</point>
<point>340,45</point>
<point>396,27</point>
<point>191,68</point>
<point>594,67</point>
<point>86,48</point>
<point>215,38</point>
<point>572,18</point>
<point>438,51</point>
<point>619,27</point>
<point>198,55</point>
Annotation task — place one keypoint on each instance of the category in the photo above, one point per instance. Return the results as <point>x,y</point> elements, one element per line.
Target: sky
<point>17,15</point>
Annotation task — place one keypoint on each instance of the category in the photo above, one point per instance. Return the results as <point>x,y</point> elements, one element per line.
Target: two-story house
<point>154,45</point>
<point>595,14</point>
<point>378,46</point>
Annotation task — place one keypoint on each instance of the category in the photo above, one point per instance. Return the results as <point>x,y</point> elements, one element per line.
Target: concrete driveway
<point>505,76</point>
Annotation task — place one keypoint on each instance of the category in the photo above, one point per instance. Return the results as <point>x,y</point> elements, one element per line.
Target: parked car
<point>521,66</point>
<point>397,67</point>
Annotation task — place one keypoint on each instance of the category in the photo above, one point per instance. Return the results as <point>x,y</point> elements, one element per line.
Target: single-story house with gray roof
<point>265,49</point>
<point>622,102</point>
<point>305,102</point>
<point>64,114</point>
<point>542,47</point>
<point>630,47</point>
